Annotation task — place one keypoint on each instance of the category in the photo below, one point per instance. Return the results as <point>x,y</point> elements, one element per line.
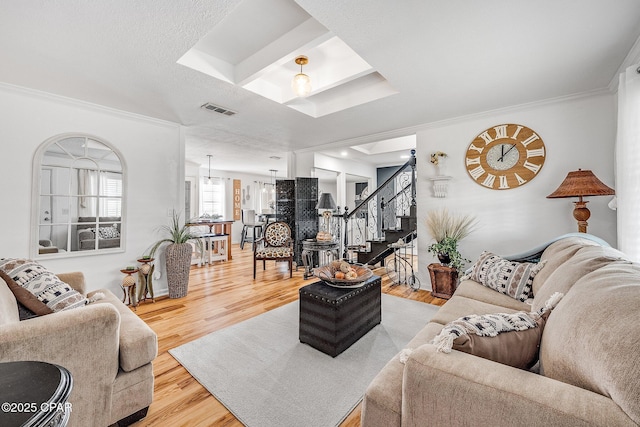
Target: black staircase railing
<point>389,210</point>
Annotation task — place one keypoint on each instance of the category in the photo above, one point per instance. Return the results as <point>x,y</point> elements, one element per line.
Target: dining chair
<point>251,228</point>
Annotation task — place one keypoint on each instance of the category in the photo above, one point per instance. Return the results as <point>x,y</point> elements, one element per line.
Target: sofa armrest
<point>459,389</point>
<point>75,280</point>
<point>83,340</point>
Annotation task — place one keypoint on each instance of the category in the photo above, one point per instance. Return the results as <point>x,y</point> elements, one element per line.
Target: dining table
<point>217,226</point>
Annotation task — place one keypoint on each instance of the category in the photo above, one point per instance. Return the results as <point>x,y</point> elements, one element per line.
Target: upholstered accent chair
<point>275,245</point>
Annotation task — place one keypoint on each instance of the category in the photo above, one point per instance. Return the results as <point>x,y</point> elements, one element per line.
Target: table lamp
<point>581,183</point>
<point>327,204</point>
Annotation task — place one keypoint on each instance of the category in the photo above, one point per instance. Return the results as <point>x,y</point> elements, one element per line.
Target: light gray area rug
<point>261,372</point>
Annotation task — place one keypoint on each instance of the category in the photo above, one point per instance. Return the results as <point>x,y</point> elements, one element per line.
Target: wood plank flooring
<point>219,296</point>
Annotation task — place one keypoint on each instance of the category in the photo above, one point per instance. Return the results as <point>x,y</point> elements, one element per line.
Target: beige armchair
<point>105,346</point>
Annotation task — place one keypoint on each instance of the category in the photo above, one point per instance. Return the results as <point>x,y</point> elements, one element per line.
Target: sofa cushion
<point>138,342</point>
<point>591,338</point>
<point>459,306</point>
<point>42,283</point>
<point>508,277</point>
<point>31,305</point>
<point>8,305</point>
<point>476,291</point>
<point>585,260</point>
<point>557,254</point>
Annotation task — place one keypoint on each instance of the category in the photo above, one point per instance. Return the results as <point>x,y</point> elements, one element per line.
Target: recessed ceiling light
<point>404,156</point>
<point>343,153</point>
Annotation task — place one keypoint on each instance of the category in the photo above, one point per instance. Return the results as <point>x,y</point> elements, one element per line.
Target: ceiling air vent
<point>218,109</point>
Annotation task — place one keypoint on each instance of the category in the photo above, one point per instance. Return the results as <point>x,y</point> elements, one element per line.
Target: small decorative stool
<point>145,278</point>
<point>217,247</point>
<point>129,287</point>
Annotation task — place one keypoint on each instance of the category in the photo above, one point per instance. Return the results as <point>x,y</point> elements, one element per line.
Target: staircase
<point>376,223</point>
<point>379,248</point>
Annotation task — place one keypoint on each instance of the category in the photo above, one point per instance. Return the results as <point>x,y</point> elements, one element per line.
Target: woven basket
<point>178,260</point>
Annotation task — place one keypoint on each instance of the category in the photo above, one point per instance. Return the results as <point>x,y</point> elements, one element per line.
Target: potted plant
<point>177,255</point>
<point>438,160</point>
<point>448,230</point>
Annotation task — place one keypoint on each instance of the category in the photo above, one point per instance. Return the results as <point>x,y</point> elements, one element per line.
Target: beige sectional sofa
<point>589,359</point>
<point>107,348</point>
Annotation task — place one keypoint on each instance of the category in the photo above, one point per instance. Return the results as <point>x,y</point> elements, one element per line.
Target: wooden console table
<point>217,226</point>
<point>444,280</point>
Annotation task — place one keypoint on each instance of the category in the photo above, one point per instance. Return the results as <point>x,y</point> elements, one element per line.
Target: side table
<point>34,394</point>
<point>310,246</point>
<point>444,280</point>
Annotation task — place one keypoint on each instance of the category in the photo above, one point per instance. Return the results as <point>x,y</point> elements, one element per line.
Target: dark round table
<point>34,394</point>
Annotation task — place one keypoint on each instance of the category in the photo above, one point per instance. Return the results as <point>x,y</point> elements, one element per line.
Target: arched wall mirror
<point>78,197</point>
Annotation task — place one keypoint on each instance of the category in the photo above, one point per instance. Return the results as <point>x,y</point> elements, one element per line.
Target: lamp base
<point>581,213</point>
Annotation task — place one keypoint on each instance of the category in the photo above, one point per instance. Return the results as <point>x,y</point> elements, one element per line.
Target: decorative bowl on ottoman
<point>342,274</point>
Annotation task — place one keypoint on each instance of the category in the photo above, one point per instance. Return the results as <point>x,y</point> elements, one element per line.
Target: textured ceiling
<point>445,58</point>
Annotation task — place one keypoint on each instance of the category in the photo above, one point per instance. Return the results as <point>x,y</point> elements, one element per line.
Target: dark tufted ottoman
<point>332,319</point>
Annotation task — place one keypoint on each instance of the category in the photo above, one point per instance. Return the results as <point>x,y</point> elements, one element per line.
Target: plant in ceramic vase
<point>177,254</point>
<point>438,160</point>
<point>448,230</point>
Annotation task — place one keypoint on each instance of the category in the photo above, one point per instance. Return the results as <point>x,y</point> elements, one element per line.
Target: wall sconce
<point>578,184</point>
<point>301,83</point>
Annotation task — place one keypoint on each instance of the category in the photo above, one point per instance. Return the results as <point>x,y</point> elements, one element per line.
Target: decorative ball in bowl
<point>342,274</point>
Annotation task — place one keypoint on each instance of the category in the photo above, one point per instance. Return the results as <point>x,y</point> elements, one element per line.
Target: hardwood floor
<point>219,296</point>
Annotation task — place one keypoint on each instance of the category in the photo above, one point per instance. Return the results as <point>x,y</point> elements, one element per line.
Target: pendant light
<point>301,83</point>
<point>272,195</point>
<point>209,176</point>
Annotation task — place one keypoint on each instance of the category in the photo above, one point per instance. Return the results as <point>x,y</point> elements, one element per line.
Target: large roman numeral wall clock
<point>505,156</point>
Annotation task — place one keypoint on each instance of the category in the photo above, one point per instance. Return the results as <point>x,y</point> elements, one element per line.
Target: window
<point>212,198</point>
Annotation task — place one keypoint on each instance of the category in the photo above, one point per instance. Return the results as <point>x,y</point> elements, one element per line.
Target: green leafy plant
<point>177,234</point>
<point>448,230</point>
<point>447,252</point>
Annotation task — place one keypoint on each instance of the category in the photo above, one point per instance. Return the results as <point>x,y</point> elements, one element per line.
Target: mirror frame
<point>35,200</point>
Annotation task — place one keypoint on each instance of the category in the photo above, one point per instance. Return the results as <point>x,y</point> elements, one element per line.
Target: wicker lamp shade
<point>581,183</point>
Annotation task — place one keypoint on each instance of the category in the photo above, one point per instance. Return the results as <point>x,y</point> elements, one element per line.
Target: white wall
<point>153,152</point>
<point>578,133</point>
<point>343,168</point>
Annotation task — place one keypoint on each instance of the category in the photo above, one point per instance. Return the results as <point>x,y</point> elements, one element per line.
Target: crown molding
<point>84,104</point>
<point>365,139</point>
<point>632,58</point>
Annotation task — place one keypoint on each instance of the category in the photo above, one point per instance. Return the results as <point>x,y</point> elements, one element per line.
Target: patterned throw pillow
<point>109,232</point>
<point>508,277</point>
<point>28,304</point>
<point>46,286</point>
